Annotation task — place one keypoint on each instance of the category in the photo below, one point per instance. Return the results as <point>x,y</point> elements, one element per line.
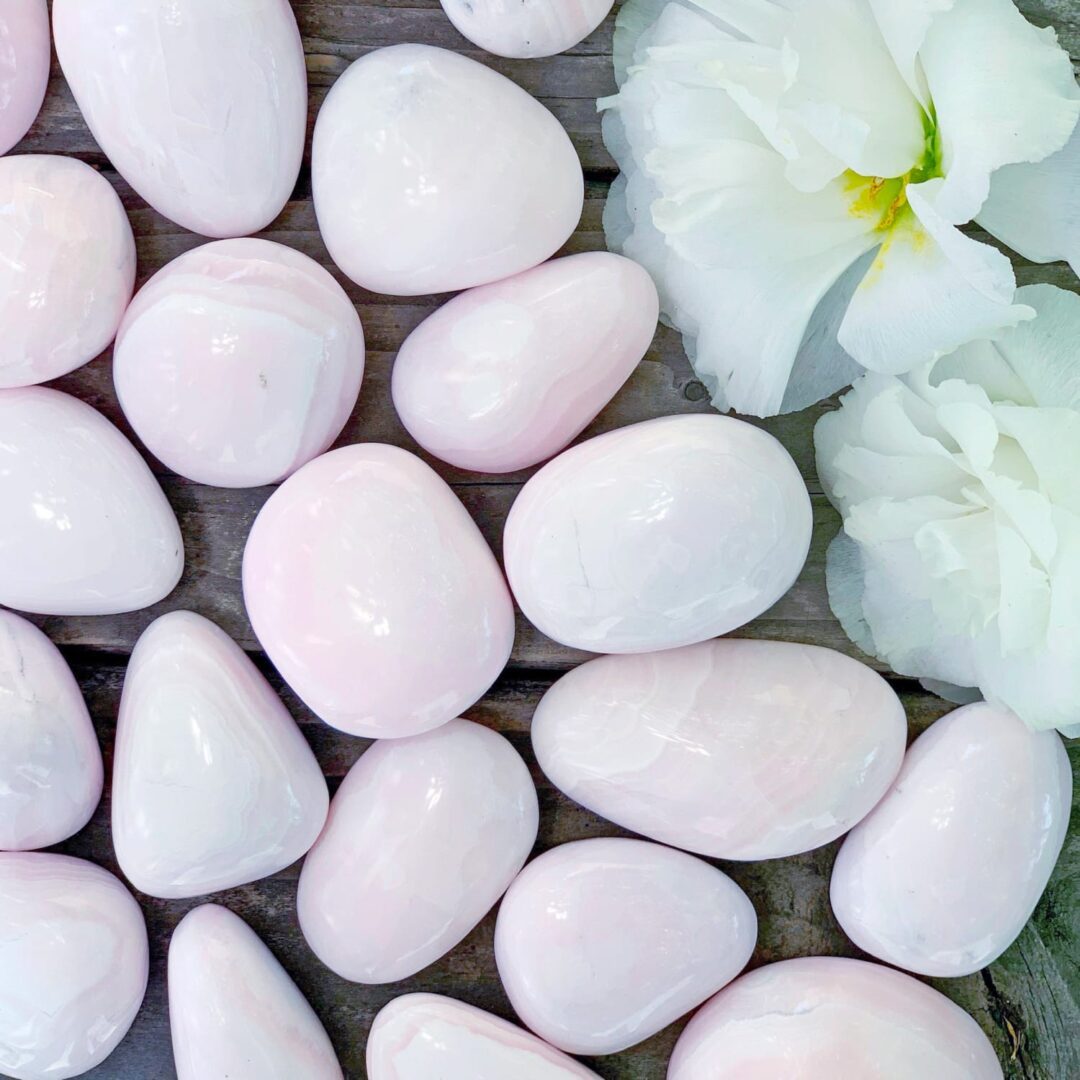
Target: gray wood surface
<point>1027,1002</point>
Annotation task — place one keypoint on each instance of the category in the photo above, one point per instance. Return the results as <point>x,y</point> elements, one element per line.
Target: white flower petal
<point>903,25</point>
<point>958,695</point>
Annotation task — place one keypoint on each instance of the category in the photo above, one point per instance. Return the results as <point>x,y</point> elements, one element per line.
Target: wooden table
<point>1027,1002</point>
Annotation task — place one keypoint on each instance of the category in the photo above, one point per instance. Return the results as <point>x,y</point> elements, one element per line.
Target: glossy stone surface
<point>732,749</point>
<point>202,105</point>
<point>942,876</point>
<point>505,375</point>
<point>24,66</point>
<point>424,835</point>
<point>421,1036</point>
<point>85,528</point>
<point>431,172</point>
<point>659,534</point>
<point>827,1018</point>
<point>67,266</point>
<point>526,28</point>
<point>601,943</point>
<point>73,965</point>
<point>213,784</point>
<point>375,595</point>
<point>50,762</point>
<point>234,1011</point>
<point>238,362</point>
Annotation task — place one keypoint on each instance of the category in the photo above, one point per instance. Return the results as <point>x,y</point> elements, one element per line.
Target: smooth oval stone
<point>25,55</point>
<point>213,784</point>
<point>51,773</point>
<point>234,1011</point>
<point>656,535</point>
<point>375,595</point>
<point>431,172</point>
<point>526,29</point>
<point>74,962</point>
<point>827,1018</point>
<point>84,527</point>
<point>238,362</point>
<point>942,876</point>
<point>67,266</point>
<point>201,106</point>
<point>421,1036</point>
<point>424,835</point>
<point>732,749</point>
<point>601,943</point>
<point>505,375</point>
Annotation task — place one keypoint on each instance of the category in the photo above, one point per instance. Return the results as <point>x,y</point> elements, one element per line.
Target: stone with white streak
<point>526,28</point>
<point>25,55</point>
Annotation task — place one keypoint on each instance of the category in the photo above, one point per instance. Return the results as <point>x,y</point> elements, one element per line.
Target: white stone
<point>526,28</point>
<point>25,55</point>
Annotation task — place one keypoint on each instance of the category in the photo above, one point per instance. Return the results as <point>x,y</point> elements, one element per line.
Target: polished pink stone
<point>238,362</point>
<point>945,872</point>
<point>826,1018</point>
<point>374,593</point>
<point>601,943</point>
<point>505,375</point>
<point>24,66</point>
<point>526,28</point>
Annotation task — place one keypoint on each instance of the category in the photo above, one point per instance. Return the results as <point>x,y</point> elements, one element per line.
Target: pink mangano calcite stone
<point>238,362</point>
<point>422,1036</point>
<point>375,595</point>
<point>74,962</point>
<point>431,172</point>
<point>526,28</point>
<point>732,749</point>
<point>67,266</point>
<point>24,66</point>
<point>656,535</point>
<point>200,105</point>
<point>827,1018</point>
<point>601,943</point>
<point>50,764</point>
<point>424,836</point>
<point>944,874</point>
<point>234,1011</point>
<point>213,784</point>
<point>85,529</point>
<point>505,375</point>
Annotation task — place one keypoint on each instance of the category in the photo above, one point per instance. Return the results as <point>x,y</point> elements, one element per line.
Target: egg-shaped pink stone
<point>424,835</point>
<point>374,593</point>
<point>238,362</point>
<point>526,28</point>
<point>827,1018</point>
<point>432,172</point>
<point>200,105</point>
<point>601,943</point>
<point>50,762</point>
<point>67,266</point>
<point>505,375</point>
<point>24,66</point>
<point>660,534</point>
<point>945,872</point>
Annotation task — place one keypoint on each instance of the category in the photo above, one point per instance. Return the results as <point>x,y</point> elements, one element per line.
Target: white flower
<point>794,172</point>
<point>959,486</point>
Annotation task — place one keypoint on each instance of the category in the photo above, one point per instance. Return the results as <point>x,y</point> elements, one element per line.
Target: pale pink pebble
<point>526,28</point>
<point>24,66</point>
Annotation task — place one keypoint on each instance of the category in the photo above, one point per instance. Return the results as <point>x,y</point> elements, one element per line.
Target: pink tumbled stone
<point>526,28</point>
<point>374,593</point>
<point>50,763</point>
<point>67,266</point>
<point>732,749</point>
<point>74,962</point>
<point>431,172</point>
<point>424,835</point>
<point>24,66</point>
<point>234,1012</point>
<point>601,943</point>
<point>201,105</point>
<point>505,375</point>
<point>238,362</point>
<point>826,1018</point>
<point>423,1036</point>
<point>945,872</point>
